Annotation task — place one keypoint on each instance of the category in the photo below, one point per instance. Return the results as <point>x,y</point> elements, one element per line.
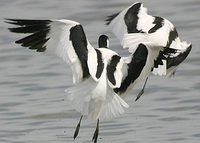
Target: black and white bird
<point>134,25</point>
<point>100,75</point>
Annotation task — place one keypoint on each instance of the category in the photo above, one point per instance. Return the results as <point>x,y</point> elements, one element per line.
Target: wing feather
<point>134,25</point>
<point>63,38</point>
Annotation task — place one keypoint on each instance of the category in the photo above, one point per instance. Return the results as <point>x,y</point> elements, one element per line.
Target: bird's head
<point>103,41</point>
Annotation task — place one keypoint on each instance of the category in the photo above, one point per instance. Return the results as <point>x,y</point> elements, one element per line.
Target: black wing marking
<point>164,55</point>
<point>175,61</point>
<point>100,65</point>
<point>158,24</point>
<point>26,22</point>
<point>39,30</point>
<point>173,34</point>
<point>135,68</point>
<point>131,18</point>
<point>111,68</point>
<point>79,42</point>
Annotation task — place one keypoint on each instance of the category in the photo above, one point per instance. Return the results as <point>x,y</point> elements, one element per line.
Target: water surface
<point>32,102</point>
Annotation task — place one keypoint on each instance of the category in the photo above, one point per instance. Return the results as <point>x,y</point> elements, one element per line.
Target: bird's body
<point>100,76</point>
<point>134,25</point>
<point>94,96</point>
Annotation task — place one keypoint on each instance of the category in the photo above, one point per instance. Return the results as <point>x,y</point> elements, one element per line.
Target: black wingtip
<point>111,17</point>
<point>9,21</point>
<point>189,48</point>
<point>38,30</point>
<point>175,61</point>
<point>25,22</point>
<point>6,20</point>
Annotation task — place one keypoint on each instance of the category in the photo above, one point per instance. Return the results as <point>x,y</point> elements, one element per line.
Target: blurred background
<point>32,99</point>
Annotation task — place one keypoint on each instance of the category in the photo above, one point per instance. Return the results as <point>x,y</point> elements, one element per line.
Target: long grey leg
<point>77,127</point>
<point>96,133</point>
<point>142,91</point>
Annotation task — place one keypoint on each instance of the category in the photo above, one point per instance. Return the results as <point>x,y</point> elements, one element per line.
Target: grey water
<point>33,108</point>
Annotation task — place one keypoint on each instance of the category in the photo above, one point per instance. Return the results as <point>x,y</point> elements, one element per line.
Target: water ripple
<point>32,105</point>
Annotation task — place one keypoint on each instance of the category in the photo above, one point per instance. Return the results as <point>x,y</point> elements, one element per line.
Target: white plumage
<point>134,25</point>
<point>92,96</point>
<point>100,75</point>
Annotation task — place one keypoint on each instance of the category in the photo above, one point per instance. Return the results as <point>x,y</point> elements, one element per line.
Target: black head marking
<point>103,41</point>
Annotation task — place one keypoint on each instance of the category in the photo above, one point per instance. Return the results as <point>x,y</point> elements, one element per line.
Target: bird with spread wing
<point>134,25</point>
<point>100,75</point>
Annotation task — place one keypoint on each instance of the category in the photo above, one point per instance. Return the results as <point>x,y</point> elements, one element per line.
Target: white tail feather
<point>85,101</point>
<point>113,106</point>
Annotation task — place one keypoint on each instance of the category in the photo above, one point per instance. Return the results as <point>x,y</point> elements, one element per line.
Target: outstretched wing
<point>63,38</point>
<point>134,25</point>
<point>130,70</point>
